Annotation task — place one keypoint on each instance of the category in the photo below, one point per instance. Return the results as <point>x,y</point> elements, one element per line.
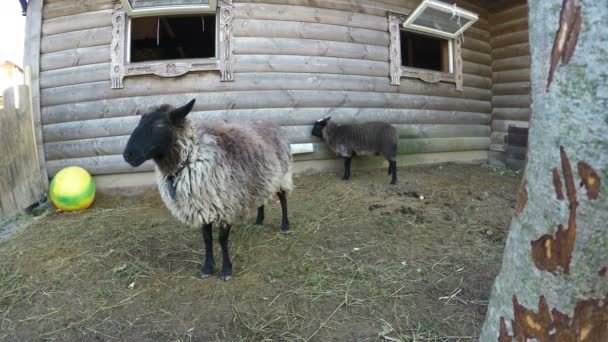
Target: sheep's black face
<point>155,134</point>
<point>317,129</point>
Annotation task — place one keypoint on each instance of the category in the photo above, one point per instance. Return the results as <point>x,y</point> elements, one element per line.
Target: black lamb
<point>360,139</point>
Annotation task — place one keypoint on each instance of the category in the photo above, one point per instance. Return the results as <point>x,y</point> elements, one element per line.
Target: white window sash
<point>444,7</point>
<point>211,7</point>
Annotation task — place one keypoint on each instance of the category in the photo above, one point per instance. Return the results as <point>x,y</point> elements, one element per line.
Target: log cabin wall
<point>510,85</point>
<point>295,61</point>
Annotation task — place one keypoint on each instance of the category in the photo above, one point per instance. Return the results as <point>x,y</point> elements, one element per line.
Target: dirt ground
<point>364,261</point>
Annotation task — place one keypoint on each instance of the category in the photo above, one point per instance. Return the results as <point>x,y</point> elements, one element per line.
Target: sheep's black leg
<point>390,168</point>
<point>260,219</point>
<point>209,261</point>
<point>346,168</point>
<point>226,264</point>
<point>394,169</point>
<point>284,219</point>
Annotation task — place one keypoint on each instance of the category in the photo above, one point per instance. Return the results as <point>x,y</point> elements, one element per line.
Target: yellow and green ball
<point>72,188</point>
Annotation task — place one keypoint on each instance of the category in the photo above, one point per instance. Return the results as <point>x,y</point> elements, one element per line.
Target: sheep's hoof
<point>226,275</point>
<point>285,229</point>
<point>259,222</point>
<point>393,182</point>
<point>345,178</point>
<point>207,270</point>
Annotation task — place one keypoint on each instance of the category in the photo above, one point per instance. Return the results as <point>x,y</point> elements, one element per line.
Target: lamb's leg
<point>394,168</point>
<point>209,261</point>
<point>260,219</point>
<point>226,264</point>
<point>284,219</point>
<point>390,168</point>
<point>346,168</point>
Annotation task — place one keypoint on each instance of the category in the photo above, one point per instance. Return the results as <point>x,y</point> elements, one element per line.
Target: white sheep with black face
<point>213,174</point>
<point>360,139</point>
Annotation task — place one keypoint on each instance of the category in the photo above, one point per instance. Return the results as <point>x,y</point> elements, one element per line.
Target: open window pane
<point>424,52</point>
<point>441,21</point>
<point>137,4</point>
<point>172,37</point>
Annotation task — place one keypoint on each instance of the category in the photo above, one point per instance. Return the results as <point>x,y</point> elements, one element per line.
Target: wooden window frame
<point>121,67</point>
<point>398,71</point>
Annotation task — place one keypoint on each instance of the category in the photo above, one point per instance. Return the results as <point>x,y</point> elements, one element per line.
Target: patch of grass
<point>101,293</point>
<point>278,274</point>
<point>128,272</point>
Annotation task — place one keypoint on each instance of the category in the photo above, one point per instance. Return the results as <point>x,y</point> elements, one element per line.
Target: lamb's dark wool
<point>360,139</point>
<point>213,174</point>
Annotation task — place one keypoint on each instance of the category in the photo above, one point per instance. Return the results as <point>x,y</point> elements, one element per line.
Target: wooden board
<point>20,178</point>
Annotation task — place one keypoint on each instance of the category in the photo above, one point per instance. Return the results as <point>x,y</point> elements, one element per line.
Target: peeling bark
<point>590,179</point>
<point>589,323</point>
<point>549,252</point>
<point>566,36</point>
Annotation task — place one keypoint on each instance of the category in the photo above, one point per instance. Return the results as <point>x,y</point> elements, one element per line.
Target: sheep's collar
<point>170,179</point>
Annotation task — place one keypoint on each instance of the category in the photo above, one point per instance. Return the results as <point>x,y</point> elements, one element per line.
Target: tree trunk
<point>553,285</point>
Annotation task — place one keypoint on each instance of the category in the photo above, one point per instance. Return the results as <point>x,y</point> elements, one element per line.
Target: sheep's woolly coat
<point>223,171</point>
<point>362,139</point>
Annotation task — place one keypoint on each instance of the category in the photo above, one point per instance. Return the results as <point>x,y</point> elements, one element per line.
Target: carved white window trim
<point>397,71</point>
<point>120,68</point>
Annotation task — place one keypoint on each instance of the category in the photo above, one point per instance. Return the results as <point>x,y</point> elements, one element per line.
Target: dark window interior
<point>424,52</point>
<point>172,37</point>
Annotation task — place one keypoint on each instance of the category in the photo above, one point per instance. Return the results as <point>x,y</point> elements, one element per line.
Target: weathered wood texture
<point>510,80</point>
<point>31,64</point>
<point>294,62</point>
<point>20,179</point>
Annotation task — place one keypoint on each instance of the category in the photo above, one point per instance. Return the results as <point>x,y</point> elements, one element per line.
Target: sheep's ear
<point>327,118</point>
<point>177,115</point>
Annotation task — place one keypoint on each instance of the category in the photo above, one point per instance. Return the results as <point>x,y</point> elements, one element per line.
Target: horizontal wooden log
<point>510,76</point>
<point>476,69</point>
<point>477,33</point>
<point>76,39</point>
<point>75,75</point>
<point>358,6</point>
<point>515,88</point>
<point>514,25</point>
<point>209,83</point>
<point>477,45</point>
<point>308,47</point>
<point>115,164</point>
<point>511,38</point>
<point>75,57</point>
<point>304,64</point>
<point>503,125</point>
<point>448,122</point>
<point>511,51</point>
<point>291,29</point>
<point>311,15</point>
<point>518,11</point>
<point>71,7</point>
<point>411,146</point>
<point>274,99</point>
<point>94,129</point>
<point>90,147</point>
<point>520,62</point>
<point>77,22</point>
<point>511,101</point>
<point>476,57</point>
<point>471,80</point>
<point>515,114</point>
